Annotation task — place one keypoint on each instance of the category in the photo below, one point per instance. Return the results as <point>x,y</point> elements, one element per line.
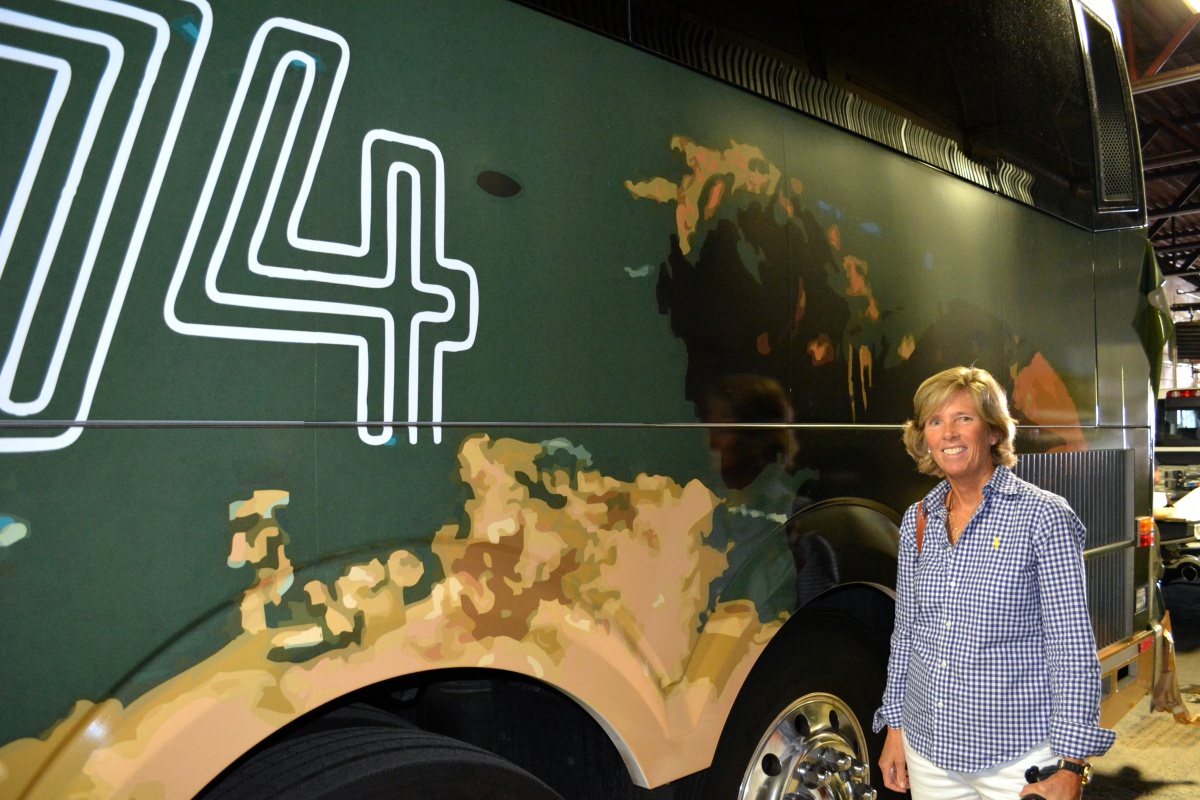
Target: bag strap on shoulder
<point>920,525</point>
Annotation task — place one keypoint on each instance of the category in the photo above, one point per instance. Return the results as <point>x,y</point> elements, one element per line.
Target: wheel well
<point>842,635</point>
<point>868,608</point>
<point>864,536</point>
<point>530,723</point>
<point>864,610</point>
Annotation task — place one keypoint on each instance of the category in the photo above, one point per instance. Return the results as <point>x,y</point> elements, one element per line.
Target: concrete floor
<point>1155,756</point>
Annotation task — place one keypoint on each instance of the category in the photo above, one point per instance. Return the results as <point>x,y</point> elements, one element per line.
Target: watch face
<point>1083,770</point>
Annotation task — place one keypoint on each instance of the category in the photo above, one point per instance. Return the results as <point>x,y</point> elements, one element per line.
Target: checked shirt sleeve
<point>889,713</point>
<point>1058,541</point>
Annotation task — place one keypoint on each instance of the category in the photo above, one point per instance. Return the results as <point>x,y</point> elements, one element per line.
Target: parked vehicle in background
<point>1177,478</point>
<point>1177,436</point>
<point>421,396</point>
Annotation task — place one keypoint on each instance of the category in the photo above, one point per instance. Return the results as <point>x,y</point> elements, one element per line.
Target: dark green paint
<point>123,583</point>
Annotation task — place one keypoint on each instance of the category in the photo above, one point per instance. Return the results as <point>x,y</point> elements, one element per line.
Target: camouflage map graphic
<point>776,304</point>
<point>748,249</point>
<point>545,575</point>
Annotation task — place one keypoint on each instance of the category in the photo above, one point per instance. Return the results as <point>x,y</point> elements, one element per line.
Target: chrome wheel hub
<point>814,750</point>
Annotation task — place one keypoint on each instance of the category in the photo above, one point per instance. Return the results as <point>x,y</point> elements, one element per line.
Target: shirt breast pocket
<point>1004,597</point>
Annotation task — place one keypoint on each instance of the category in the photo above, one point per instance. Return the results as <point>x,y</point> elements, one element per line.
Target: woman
<point>993,666</point>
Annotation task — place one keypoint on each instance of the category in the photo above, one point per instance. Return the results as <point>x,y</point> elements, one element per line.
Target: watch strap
<point>1082,770</point>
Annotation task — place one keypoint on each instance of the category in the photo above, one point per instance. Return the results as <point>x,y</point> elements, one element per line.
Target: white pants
<point>1002,782</point>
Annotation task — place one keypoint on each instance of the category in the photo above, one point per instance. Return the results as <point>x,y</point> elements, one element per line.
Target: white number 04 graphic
<point>179,314</point>
<point>303,60</point>
<point>114,53</point>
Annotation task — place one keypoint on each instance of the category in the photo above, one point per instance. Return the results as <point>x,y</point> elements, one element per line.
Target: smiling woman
<point>962,721</point>
<point>960,442</point>
<point>979,396</point>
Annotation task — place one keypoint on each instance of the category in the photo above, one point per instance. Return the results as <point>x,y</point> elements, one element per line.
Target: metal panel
<point>1098,484</point>
<point>1110,596</point>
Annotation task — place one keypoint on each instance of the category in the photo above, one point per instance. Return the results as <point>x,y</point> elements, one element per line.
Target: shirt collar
<point>1002,482</point>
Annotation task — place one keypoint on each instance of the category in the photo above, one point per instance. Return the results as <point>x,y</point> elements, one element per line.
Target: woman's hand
<point>1062,785</point>
<point>892,762</point>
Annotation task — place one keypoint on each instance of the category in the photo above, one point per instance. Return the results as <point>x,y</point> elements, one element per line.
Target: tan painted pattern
<point>547,577</point>
<point>745,164</point>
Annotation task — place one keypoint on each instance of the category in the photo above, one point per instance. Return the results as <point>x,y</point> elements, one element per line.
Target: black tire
<point>352,715</point>
<point>825,663</point>
<point>377,762</point>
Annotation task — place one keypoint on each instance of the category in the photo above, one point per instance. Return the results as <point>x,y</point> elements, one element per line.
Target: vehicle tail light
<point>1146,532</point>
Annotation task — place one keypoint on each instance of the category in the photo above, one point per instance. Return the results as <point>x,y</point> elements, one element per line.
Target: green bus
<point>594,496</point>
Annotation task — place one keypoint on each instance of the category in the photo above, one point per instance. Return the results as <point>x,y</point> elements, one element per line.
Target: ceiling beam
<point>1182,264</point>
<point>1161,116</point>
<point>1173,45</point>
<point>1175,172</point>
<point>1183,120</point>
<point>1186,194</point>
<point>1182,268</point>
<point>1182,247</point>
<point>1171,160</point>
<point>1156,223</point>
<point>1166,79</point>
<point>1166,213</point>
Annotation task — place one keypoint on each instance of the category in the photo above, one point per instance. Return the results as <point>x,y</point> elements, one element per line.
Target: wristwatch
<point>1084,771</point>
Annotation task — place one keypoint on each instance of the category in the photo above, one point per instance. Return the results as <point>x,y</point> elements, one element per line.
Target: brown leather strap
<point>920,525</point>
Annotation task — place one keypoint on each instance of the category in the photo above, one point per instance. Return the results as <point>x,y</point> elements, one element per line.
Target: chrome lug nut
<point>832,759</point>
<point>862,791</point>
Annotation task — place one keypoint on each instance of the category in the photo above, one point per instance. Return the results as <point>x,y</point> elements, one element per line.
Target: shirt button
<point>940,704</point>
<point>949,624</point>
<point>945,663</point>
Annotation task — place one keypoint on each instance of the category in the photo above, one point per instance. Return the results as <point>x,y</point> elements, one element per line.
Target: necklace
<point>952,532</point>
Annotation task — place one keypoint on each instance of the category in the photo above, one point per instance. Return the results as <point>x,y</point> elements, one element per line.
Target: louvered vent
<point>1113,138</point>
<point>1187,341</point>
<point>705,50</point>
<point>1099,486</point>
<point>1110,596</point>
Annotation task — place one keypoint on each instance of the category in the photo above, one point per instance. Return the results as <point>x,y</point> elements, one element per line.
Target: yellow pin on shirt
<point>996,543</point>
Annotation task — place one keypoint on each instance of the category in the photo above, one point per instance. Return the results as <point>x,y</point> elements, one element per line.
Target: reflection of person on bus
<point>757,466</point>
<point>744,453</point>
<point>993,666</point>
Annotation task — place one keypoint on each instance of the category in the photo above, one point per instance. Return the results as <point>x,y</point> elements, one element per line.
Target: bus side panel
<point>584,234</point>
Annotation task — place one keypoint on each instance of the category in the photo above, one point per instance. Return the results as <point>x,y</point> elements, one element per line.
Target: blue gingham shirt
<point>993,652</point>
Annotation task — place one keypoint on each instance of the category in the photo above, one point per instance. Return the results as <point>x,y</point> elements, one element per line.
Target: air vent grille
<point>1187,341</point>
<point>1113,139</point>
<point>1098,484</point>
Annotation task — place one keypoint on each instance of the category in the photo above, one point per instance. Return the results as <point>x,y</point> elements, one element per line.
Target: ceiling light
<point>1194,5</point>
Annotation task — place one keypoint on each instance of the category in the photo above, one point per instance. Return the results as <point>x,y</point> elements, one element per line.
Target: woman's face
<point>960,441</point>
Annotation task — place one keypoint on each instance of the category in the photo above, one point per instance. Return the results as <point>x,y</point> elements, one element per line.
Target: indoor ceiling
<point>1162,48</point>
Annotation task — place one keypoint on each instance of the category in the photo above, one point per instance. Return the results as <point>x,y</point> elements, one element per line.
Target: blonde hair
<point>990,400</point>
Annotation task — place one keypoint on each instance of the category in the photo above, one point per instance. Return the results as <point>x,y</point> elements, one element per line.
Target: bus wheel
<point>801,725</point>
<point>813,748</point>
<point>375,761</point>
